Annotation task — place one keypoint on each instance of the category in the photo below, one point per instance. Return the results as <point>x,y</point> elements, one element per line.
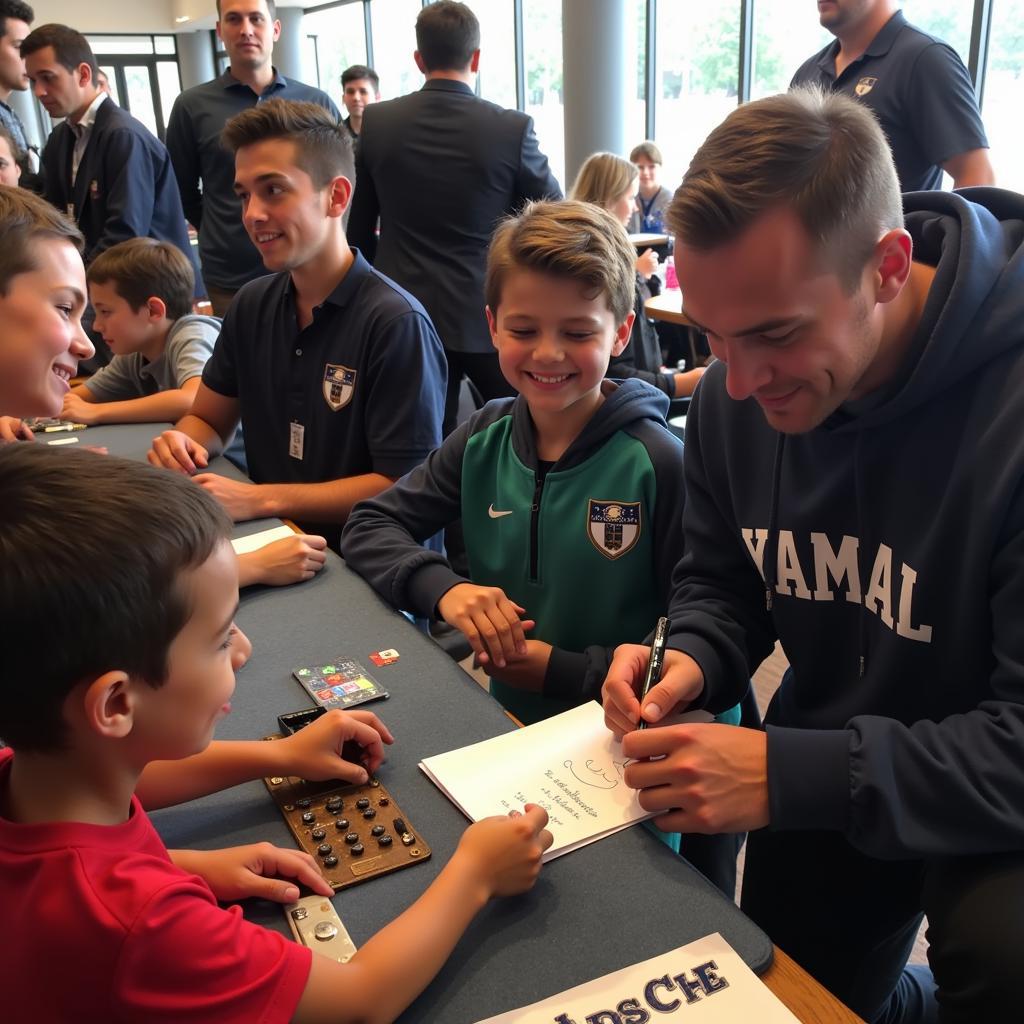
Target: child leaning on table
<point>102,673</point>
<point>570,495</point>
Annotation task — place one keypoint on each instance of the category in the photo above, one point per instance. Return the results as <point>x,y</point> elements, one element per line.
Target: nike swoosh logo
<point>497,515</point>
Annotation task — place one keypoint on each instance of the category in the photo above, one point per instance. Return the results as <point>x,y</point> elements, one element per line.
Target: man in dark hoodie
<point>855,489</point>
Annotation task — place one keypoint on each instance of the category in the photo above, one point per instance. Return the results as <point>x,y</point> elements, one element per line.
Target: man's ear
<point>419,62</point>
<point>340,195</point>
<point>622,334</point>
<point>892,262</point>
<point>84,74</point>
<point>474,62</point>
<point>108,705</point>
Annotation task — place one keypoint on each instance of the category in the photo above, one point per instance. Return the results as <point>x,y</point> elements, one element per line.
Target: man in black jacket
<point>441,167</point>
<point>101,166</point>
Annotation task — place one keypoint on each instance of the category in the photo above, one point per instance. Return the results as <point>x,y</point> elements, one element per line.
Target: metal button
<point>325,931</point>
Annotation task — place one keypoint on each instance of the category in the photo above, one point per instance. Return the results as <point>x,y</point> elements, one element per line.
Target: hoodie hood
<point>626,403</point>
<point>975,241</point>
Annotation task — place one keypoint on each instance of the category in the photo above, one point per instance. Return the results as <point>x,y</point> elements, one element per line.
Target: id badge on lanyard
<point>296,440</point>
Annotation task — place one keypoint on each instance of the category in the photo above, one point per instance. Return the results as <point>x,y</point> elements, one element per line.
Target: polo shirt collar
<point>228,81</point>
<point>878,47</point>
<point>343,291</point>
<point>448,85</point>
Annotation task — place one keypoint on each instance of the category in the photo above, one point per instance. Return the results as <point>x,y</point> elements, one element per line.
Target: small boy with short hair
<point>141,291</point>
<point>101,673</point>
<point>570,495</point>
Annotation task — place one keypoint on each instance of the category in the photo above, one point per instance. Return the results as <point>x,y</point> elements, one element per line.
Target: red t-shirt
<point>99,925</point>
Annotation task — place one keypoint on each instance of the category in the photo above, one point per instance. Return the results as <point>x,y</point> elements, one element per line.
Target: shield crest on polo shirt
<point>864,86</point>
<point>613,526</point>
<point>339,385</point>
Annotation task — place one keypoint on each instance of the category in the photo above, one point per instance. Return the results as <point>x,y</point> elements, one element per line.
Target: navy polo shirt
<point>363,385</point>
<point>193,139</point>
<point>919,90</point>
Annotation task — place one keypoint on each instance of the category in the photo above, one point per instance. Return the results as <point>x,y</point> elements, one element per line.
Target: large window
<point>338,40</point>
<point>697,76</point>
<point>497,81</point>
<point>948,20</point>
<point>785,35</point>
<point>1004,87</point>
<point>394,42</point>
<point>636,100</point>
<point>143,74</point>
<point>542,46</point>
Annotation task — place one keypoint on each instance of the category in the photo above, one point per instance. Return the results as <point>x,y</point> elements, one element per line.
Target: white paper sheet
<point>570,764</point>
<point>705,981</point>
<point>255,541</point>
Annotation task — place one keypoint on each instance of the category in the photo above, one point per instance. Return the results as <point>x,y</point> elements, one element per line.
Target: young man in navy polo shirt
<point>335,372</point>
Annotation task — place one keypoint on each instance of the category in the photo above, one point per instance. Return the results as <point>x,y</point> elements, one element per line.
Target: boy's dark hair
<point>18,11</point>
<point>25,217</point>
<point>143,267</point>
<point>567,239</point>
<point>323,148</point>
<point>447,34</point>
<point>271,9</point>
<point>822,154</point>
<point>93,548</point>
<point>358,72</point>
<point>70,48</point>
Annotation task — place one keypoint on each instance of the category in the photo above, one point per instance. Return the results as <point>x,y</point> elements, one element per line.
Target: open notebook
<point>570,764</point>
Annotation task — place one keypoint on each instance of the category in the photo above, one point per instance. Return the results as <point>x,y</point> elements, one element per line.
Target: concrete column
<point>33,117</point>
<point>195,59</point>
<point>288,49</point>
<point>596,78</point>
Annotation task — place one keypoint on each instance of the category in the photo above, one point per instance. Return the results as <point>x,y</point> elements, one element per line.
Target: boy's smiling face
<point>554,341</point>
<point>42,338</point>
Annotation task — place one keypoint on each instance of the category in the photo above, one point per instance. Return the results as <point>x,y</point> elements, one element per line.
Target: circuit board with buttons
<point>354,833</point>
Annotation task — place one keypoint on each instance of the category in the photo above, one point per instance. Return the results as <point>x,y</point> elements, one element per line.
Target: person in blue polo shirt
<point>336,373</point>
<point>916,85</point>
<point>248,29</point>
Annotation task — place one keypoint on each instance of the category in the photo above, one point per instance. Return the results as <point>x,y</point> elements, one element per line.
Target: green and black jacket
<point>587,548</point>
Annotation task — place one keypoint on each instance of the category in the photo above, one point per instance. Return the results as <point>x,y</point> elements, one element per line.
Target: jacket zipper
<point>535,525</point>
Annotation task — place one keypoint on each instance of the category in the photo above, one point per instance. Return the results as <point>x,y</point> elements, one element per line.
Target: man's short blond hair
<point>821,154</point>
<point>567,239</point>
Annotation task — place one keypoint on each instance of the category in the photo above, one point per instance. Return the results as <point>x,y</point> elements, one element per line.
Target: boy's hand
<point>525,671</point>
<point>314,753</point>
<point>288,560</point>
<point>176,450</point>
<point>13,429</point>
<point>647,263</point>
<point>681,682</point>
<point>489,620</point>
<point>504,854</point>
<point>243,871</point>
<point>240,500</point>
<point>78,410</point>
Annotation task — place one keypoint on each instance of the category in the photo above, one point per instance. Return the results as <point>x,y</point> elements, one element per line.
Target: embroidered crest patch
<point>339,385</point>
<point>613,526</point>
<point>864,86</point>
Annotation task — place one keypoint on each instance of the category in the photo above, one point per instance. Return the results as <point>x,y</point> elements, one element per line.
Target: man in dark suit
<point>441,167</point>
<point>101,166</point>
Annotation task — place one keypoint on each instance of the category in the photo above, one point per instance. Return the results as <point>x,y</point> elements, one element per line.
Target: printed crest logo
<point>613,526</point>
<point>339,385</point>
<point>864,86</point>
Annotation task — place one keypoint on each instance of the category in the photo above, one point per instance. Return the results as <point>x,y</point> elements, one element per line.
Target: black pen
<point>655,663</point>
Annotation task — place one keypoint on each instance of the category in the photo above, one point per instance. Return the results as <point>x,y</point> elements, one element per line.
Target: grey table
<point>601,908</point>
